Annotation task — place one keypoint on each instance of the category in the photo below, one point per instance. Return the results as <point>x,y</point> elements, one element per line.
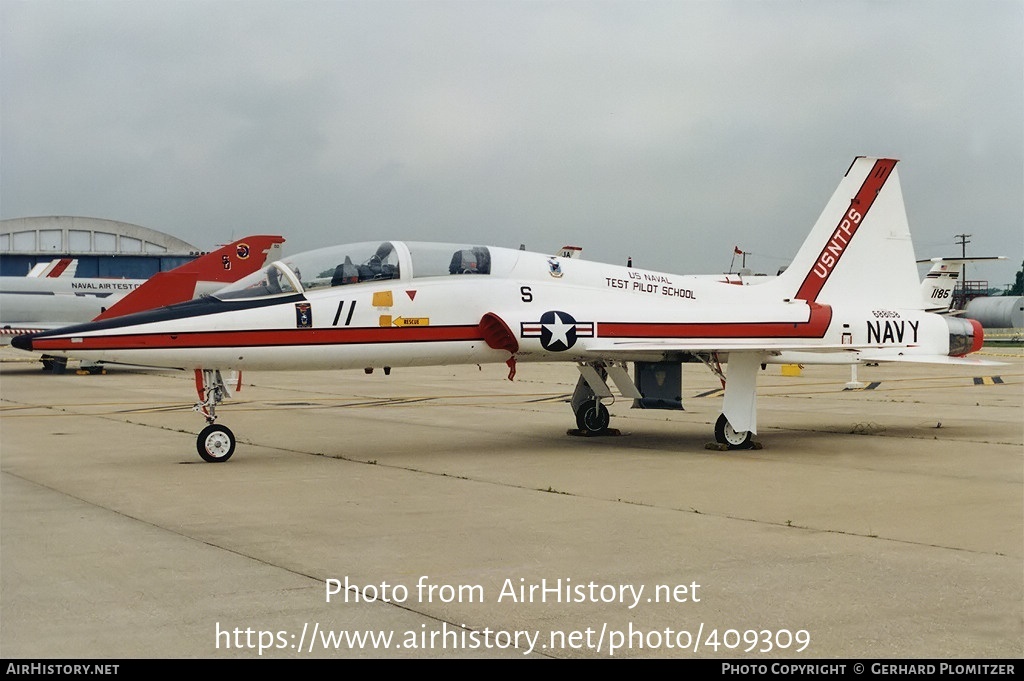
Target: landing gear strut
<point>216,443</point>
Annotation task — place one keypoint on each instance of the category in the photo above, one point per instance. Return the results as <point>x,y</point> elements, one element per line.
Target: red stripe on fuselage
<point>844,232</point>
<point>815,327</point>
<point>261,338</point>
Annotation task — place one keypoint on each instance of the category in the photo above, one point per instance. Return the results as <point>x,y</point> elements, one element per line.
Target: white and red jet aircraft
<point>850,295</point>
<point>52,297</point>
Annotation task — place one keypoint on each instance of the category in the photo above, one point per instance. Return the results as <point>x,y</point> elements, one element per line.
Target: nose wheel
<point>216,443</point>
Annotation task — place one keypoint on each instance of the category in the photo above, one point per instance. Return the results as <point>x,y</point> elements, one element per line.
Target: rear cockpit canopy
<point>359,263</point>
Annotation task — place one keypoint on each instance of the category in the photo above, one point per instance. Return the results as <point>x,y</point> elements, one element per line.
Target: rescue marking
<point>411,321</point>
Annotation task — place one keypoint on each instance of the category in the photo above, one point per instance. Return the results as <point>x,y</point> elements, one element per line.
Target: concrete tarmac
<point>454,516</point>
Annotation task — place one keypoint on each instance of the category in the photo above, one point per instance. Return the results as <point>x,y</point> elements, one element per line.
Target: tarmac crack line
<point>726,516</point>
<point>317,580</point>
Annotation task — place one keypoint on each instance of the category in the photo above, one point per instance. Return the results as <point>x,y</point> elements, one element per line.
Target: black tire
<point>216,443</point>
<point>593,417</point>
<point>726,435</point>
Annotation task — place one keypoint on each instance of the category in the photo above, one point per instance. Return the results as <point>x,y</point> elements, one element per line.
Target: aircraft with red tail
<point>51,297</point>
<point>851,295</point>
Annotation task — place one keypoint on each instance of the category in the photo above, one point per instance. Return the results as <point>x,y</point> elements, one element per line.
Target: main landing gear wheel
<point>727,435</point>
<point>216,443</point>
<point>593,418</point>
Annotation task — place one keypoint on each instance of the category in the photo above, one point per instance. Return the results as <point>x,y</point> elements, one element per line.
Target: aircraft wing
<point>929,359</point>
<point>808,354</point>
<point>703,345</point>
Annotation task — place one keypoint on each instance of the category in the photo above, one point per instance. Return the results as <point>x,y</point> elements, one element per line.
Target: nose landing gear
<point>216,443</point>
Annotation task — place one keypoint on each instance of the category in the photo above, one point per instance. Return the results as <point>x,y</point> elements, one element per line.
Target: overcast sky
<point>666,131</point>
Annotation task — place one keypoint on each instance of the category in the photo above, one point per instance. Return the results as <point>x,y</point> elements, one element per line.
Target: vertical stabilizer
<point>860,248</point>
<point>225,265</point>
<point>939,283</point>
<point>60,267</point>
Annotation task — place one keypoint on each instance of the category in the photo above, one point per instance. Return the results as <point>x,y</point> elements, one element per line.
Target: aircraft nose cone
<point>23,342</point>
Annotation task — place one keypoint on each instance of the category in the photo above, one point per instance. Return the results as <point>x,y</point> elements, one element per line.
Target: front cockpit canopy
<point>357,263</point>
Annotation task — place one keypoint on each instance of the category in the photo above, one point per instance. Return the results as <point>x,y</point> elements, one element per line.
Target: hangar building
<point>104,248</point>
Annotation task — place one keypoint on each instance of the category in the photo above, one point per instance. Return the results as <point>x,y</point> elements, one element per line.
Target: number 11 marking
<point>341,306</point>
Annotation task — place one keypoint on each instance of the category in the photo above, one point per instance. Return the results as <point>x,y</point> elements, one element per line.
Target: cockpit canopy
<point>358,263</point>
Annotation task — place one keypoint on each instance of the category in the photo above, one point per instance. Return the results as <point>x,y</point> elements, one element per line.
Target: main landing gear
<point>216,443</point>
<point>726,435</point>
<point>592,417</point>
<point>740,399</point>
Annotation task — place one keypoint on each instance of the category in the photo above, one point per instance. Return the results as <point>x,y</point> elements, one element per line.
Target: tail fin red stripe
<point>844,232</point>
<point>59,268</point>
<point>225,265</point>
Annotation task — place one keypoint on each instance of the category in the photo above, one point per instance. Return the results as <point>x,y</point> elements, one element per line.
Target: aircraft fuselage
<point>551,308</point>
